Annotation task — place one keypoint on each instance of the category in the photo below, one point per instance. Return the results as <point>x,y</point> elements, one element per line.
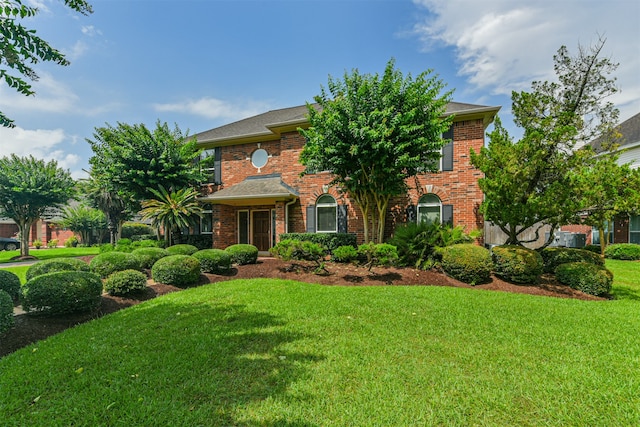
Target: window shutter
<point>447,214</point>
<point>411,213</point>
<point>217,166</point>
<point>342,218</point>
<point>447,151</point>
<point>311,219</point>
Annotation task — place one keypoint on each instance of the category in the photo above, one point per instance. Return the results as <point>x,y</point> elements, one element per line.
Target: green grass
<point>42,254</point>
<point>626,278</point>
<point>281,353</point>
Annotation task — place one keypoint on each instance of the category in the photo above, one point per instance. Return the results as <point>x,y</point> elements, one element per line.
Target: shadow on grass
<point>622,293</point>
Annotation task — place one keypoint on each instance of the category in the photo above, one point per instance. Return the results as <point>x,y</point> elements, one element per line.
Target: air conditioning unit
<point>566,239</point>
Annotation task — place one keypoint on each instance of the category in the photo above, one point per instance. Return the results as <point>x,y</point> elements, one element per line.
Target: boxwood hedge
<point>10,283</point>
<point>213,260</point>
<point>242,254</point>
<point>6,312</point>
<point>125,282</point>
<point>109,262</point>
<point>62,292</point>
<point>182,249</point>
<point>588,278</point>
<point>517,264</point>
<point>553,257</point>
<point>56,264</point>
<point>623,251</point>
<point>467,262</point>
<point>177,270</point>
<point>148,256</point>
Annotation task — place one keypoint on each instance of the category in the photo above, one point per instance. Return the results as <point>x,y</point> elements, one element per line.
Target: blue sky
<point>201,64</point>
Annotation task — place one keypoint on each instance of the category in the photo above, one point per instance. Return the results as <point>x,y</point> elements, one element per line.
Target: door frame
<point>251,226</point>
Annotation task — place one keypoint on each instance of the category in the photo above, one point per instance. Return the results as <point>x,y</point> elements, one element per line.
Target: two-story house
<point>255,192</point>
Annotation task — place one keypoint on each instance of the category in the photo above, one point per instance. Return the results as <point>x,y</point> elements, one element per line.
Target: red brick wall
<point>458,187</point>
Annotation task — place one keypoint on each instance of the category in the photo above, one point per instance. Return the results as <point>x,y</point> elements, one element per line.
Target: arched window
<point>326,214</point>
<point>429,209</point>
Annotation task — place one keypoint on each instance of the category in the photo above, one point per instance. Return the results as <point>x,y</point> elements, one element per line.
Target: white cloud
<point>90,30</point>
<point>503,45</point>
<point>40,143</point>
<point>51,96</point>
<point>212,108</point>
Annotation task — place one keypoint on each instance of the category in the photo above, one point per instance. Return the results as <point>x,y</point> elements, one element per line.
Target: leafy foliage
<point>583,276</point>
<point>20,47</point>
<point>148,256</point>
<point>125,282</point>
<point>6,312</point>
<point>382,254</point>
<point>213,260</point>
<point>89,223</point>
<point>182,249</point>
<point>467,262</point>
<point>56,264</point>
<point>528,183</point>
<point>327,240</point>
<point>10,283</point>
<point>130,229</point>
<point>62,292</point>
<point>345,253</point>
<point>372,133</point>
<point>29,188</point>
<point>553,257</point>
<point>243,254</point>
<point>107,263</point>
<point>517,264</point>
<point>624,251</point>
<point>177,270</point>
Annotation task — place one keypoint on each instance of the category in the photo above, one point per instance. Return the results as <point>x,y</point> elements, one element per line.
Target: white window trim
<point>333,205</point>
<point>210,171</point>
<point>429,205</point>
<point>208,212</point>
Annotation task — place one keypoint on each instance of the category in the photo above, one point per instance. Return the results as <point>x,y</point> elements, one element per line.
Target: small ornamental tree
<point>372,133</point>
<point>28,189</point>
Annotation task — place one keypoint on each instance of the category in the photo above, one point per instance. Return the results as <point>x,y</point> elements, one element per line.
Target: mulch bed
<point>32,328</point>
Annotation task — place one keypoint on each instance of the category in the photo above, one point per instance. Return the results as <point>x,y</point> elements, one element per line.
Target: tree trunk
<point>25,233</point>
<point>603,240</point>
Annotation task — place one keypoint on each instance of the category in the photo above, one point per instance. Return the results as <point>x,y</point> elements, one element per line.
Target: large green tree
<point>30,187</point>
<point>527,183</point>
<point>172,210</point>
<point>20,47</point>
<point>136,161</point>
<point>372,133</point>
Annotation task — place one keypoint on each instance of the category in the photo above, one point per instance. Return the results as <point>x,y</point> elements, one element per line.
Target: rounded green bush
<point>592,248</point>
<point>242,253</point>
<point>213,260</point>
<point>149,255</point>
<point>10,283</point>
<point>62,292</point>
<point>588,278</point>
<point>517,264</point>
<point>56,264</point>
<point>623,251</point>
<point>125,282</point>
<point>177,270</point>
<point>182,249</point>
<point>109,262</point>
<point>553,257</point>
<point>345,253</point>
<point>6,312</point>
<point>467,262</point>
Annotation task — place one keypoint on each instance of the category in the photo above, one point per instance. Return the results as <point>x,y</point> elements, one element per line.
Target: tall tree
<point>172,210</point>
<point>372,133</point>
<point>20,47</point>
<point>527,183</point>
<point>137,161</point>
<point>28,188</point>
<point>608,190</point>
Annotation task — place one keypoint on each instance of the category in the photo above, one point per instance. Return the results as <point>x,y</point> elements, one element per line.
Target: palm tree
<point>172,210</point>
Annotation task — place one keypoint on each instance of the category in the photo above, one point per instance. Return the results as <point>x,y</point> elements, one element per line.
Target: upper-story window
<point>429,209</point>
<point>446,159</point>
<point>259,158</point>
<point>326,214</point>
<point>210,165</point>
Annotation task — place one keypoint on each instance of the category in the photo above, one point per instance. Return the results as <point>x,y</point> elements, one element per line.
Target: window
<point>259,158</point>
<point>634,229</point>
<point>243,226</point>
<point>595,236</point>
<point>429,209</point>
<point>208,165</point>
<point>206,221</point>
<point>326,214</point>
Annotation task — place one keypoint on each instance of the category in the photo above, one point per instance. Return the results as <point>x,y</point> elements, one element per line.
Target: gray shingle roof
<point>630,130</point>
<point>254,189</point>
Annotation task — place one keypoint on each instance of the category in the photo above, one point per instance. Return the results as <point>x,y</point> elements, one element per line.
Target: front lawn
<point>42,254</point>
<point>274,352</point>
<point>626,279</point>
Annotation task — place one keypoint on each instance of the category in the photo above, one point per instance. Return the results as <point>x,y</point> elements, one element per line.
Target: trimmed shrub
<point>106,247</point>
<point>623,251</point>
<point>345,254</point>
<point>379,253</point>
<point>467,262</point>
<point>10,283</point>
<point>242,254</point>
<point>517,264</point>
<point>125,282</point>
<point>56,264</point>
<point>301,250</point>
<point>147,243</point>
<point>182,249</point>
<point>107,263</point>
<point>62,292</point>
<point>213,260</point>
<point>592,248</point>
<point>553,257</point>
<point>124,245</point>
<point>130,229</point>
<point>148,256</point>
<point>326,240</point>
<point>588,278</point>
<point>71,242</point>
<point>177,270</point>
<point>53,243</point>
<point>200,241</point>
<point>6,312</point>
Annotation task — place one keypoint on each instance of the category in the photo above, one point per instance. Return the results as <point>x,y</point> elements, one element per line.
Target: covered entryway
<point>261,224</point>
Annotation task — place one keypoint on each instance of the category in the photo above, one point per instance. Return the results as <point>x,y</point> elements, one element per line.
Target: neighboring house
<point>42,230</point>
<point>625,228</point>
<point>255,192</point>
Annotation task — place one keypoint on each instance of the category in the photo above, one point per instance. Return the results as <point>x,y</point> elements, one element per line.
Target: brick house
<point>625,228</point>
<point>255,192</point>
